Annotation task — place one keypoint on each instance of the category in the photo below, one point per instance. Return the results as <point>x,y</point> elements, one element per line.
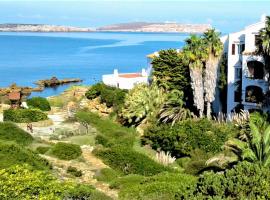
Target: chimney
<point>144,73</point>
<point>115,73</point>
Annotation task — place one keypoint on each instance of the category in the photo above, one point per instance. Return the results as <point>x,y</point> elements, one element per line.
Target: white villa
<point>125,80</point>
<point>247,79</point>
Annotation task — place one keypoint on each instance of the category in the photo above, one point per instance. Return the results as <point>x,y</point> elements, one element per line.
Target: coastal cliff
<point>156,27</point>
<point>41,28</point>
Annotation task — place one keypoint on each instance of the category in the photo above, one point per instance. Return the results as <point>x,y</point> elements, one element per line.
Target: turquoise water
<point>28,57</point>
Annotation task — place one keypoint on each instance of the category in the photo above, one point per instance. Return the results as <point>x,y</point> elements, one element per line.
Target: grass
<point>13,154</point>
<point>82,140</point>
<point>10,132</point>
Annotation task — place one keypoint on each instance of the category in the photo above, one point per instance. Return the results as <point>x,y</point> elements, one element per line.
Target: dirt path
<point>89,167</point>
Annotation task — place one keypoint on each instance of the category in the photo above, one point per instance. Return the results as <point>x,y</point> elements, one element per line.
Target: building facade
<point>246,75</point>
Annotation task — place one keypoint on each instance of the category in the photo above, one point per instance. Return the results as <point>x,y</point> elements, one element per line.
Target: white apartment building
<point>247,79</point>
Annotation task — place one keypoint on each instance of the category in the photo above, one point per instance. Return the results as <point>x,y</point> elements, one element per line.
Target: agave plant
<point>173,110</point>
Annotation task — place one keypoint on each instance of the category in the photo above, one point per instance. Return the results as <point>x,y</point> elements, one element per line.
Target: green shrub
<point>188,135</point>
<point>85,192</point>
<point>244,181</point>
<point>94,91</point>
<point>111,96</point>
<point>66,151</point>
<point>167,186</point>
<point>12,154</point>
<point>21,182</point>
<point>39,103</point>
<point>10,132</point>
<point>106,175</point>
<point>42,149</point>
<point>74,171</point>
<point>128,161</point>
<point>24,115</point>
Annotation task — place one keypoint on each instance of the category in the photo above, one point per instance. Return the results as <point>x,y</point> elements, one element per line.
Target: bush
<point>94,91</point>
<point>85,192</point>
<point>10,132</point>
<point>66,151</point>
<point>106,175</point>
<point>128,161</point>
<point>167,186</point>
<point>188,135</point>
<point>111,96</point>
<point>42,150</point>
<point>244,181</point>
<point>39,103</point>
<point>12,154</point>
<point>74,171</point>
<point>24,115</point>
<point>20,183</point>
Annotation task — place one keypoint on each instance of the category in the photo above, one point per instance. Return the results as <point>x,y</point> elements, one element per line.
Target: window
<point>241,48</point>
<point>233,49</point>
<point>238,73</point>
<point>257,40</point>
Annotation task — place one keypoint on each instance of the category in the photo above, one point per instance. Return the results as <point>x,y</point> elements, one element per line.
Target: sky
<point>226,16</point>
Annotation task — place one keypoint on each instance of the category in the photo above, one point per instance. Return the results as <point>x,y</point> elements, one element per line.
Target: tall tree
<point>195,56</point>
<point>214,48</point>
<point>263,43</point>
<point>170,72</point>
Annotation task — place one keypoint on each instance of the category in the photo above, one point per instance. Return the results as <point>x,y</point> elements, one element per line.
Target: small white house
<point>125,80</point>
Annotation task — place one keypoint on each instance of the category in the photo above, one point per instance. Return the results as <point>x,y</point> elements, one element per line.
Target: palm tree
<point>195,55</point>
<point>214,48</point>
<point>263,43</point>
<point>173,110</point>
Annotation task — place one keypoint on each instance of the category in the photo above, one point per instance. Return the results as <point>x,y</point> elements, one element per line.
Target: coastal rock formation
<point>40,28</point>
<point>55,81</point>
<point>156,27</point>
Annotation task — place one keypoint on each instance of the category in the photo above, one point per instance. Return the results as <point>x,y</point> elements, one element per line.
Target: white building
<point>247,79</point>
<point>125,80</point>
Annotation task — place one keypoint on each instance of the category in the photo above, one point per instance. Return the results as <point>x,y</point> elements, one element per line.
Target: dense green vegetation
<point>39,103</point>
<point>111,96</point>
<point>128,161</point>
<point>21,182</point>
<point>188,135</point>
<point>24,115</point>
<point>66,151</point>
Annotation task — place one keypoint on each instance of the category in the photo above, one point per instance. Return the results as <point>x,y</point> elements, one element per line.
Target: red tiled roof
<point>133,75</point>
<point>14,96</point>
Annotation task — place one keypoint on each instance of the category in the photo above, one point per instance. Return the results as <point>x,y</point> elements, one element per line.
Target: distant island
<point>156,27</point>
<point>124,27</point>
<point>41,28</point>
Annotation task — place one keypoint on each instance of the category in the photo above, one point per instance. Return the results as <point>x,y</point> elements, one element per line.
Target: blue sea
<point>28,57</point>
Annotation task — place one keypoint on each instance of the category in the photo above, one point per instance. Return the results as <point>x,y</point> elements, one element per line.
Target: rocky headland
<point>156,27</point>
<point>41,28</point>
